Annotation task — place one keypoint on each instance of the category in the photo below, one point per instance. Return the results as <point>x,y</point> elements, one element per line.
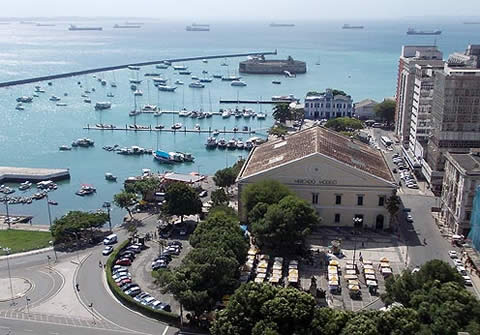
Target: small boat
<point>204,71</point>
<point>103,105</point>
<point>135,81</point>
<point>166,62</point>
<point>166,88</point>
<point>216,132</point>
<point>110,177</point>
<point>138,93</point>
<point>180,67</point>
<point>151,74</point>
<point>232,144</point>
<point>162,66</point>
<point>194,114</point>
<point>247,114</point>
<point>160,126</point>
<point>289,97</point>
<point>185,73</point>
<point>196,85</point>
<point>211,143</point>
<point>103,82</point>
<point>110,95</point>
<point>157,114</point>
<point>176,157</point>
<point>261,116</point>
<point>204,61</point>
<point>231,78</point>
<point>185,156</point>
<point>88,101</point>
<point>134,67</point>
<point>197,127</point>
<point>179,82</point>
<point>25,99</point>
<point>61,104</point>
<point>64,148</point>
<point>195,78</point>
<point>149,108</point>
<point>238,83</point>
<point>54,98</point>
<point>135,113</point>
<point>184,113</point>
<point>222,143</point>
<point>38,89</point>
<point>162,157</point>
<point>177,125</point>
<point>133,87</point>
<point>208,114</point>
<point>25,185</point>
<point>83,142</point>
<point>19,107</point>
<point>113,84</point>
<point>240,144</point>
<point>248,145</point>
<point>277,82</point>
<point>159,80</point>
<point>206,80</point>
<point>86,190</point>
<point>226,114</point>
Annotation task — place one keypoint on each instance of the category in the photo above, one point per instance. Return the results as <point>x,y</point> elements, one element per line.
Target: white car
<point>409,218</point>
<point>462,270</point>
<point>468,280</point>
<point>452,254</point>
<point>457,262</point>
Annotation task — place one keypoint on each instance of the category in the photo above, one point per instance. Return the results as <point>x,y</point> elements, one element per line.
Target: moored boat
<point>86,190</point>
<point>110,177</point>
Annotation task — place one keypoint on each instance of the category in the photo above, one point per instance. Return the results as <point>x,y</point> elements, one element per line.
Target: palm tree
<point>393,205</point>
<point>124,200</point>
<point>282,112</point>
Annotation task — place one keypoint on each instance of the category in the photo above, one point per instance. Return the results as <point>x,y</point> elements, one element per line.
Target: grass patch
<point>24,240</point>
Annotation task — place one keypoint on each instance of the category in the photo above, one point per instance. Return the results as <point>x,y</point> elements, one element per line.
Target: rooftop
<point>469,162</point>
<point>184,178</point>
<point>365,102</point>
<point>317,140</point>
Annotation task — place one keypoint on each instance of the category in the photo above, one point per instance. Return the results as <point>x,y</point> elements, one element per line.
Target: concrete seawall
<point>18,174</point>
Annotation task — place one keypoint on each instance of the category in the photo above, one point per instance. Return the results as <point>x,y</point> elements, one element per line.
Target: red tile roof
<point>317,140</point>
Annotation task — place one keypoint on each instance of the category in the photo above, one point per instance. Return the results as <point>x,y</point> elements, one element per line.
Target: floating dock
<point>19,174</point>
<point>168,130</point>
<point>124,66</point>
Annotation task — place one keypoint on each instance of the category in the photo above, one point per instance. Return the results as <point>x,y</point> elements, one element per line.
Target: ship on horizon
<point>273,24</point>
<point>348,26</point>
<point>76,28</point>
<point>127,26</point>
<point>412,31</point>
<point>198,27</point>
<point>471,22</point>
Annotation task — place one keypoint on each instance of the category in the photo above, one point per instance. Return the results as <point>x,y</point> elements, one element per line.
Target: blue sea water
<point>361,62</point>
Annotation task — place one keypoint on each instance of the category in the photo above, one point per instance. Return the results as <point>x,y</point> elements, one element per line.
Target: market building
<point>345,180</point>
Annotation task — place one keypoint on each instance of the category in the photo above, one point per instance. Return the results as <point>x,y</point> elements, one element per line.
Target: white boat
<point>179,82</point>
<point>134,67</point>
<point>289,97</point>
<point>135,81</point>
<point>110,95</point>
<point>197,127</point>
<point>238,83</point>
<point>103,105</point>
<point>61,104</point>
<point>54,98</point>
<point>180,67</point>
<point>231,78</point>
<point>196,85</point>
<point>226,114</point>
<point>110,177</point>
<point>184,113</point>
<point>261,116</point>
<point>25,185</point>
<point>166,88</point>
<point>38,89</point>
<point>194,78</point>
<point>232,144</point>
<point>206,80</point>
<point>162,66</point>
<point>240,144</point>
<point>135,113</point>
<point>138,93</point>
<point>248,145</point>
<point>204,61</point>
<point>177,125</point>
<point>25,99</point>
<point>159,80</point>
<point>148,108</point>
<point>19,107</point>
<point>211,143</point>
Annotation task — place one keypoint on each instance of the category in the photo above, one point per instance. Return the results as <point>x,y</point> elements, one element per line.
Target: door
<point>379,222</point>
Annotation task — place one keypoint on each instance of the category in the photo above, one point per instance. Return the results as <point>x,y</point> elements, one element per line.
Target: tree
<point>285,224</point>
<point>338,92</point>
<point>182,200</point>
<point>124,200</point>
<point>398,321</point>
<point>344,124</point>
<point>282,112</point>
<point>328,321</point>
<point>219,197</point>
<point>76,225</point>
<point>361,324</point>
<point>386,110</point>
<point>278,130</point>
<point>145,186</point>
<point>224,177</point>
<point>266,191</point>
<point>393,205</point>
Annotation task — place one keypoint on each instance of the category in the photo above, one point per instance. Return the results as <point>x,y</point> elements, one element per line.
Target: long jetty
<point>151,128</point>
<point>123,66</point>
<point>20,174</point>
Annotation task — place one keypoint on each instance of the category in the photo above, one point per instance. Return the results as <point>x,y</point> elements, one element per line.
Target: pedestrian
<point>363,245</point>
<point>77,287</point>
<point>100,264</point>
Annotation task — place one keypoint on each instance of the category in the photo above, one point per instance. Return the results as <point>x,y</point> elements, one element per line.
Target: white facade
<point>365,109</point>
<point>327,106</point>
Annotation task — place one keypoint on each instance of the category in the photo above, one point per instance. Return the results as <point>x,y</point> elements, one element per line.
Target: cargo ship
<point>198,27</point>
<point>76,28</point>
<point>471,22</point>
<point>348,26</point>
<point>412,31</point>
<point>127,26</point>
<point>276,25</point>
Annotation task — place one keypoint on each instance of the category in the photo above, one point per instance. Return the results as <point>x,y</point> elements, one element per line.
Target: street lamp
<point>7,250</point>
<point>356,220</point>
<point>54,251</point>
<point>5,200</point>
<point>108,206</point>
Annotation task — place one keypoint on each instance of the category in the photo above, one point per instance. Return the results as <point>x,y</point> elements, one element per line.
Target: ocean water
<point>361,62</point>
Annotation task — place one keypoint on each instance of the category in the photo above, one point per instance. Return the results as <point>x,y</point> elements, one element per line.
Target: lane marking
<point>166,329</point>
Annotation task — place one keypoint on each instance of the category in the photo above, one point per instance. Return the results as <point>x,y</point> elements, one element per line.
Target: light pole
<point>7,250</point>
<point>356,220</point>
<point>5,200</point>
<point>27,300</point>
<point>108,206</point>
<point>49,213</point>
<point>54,251</point>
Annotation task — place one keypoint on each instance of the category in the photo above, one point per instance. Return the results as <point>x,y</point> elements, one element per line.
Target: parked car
<point>394,170</point>
<point>122,278</point>
<point>159,265</point>
<point>107,251</point>
<point>467,280</point>
<point>127,252</point>
<point>452,254</point>
<point>167,258</point>
<point>124,261</point>
<point>118,268</point>
<point>203,194</point>
<point>128,286</point>
<point>135,248</point>
<point>147,300</point>
<point>409,218</point>
<point>175,243</point>
<point>129,256</point>
<point>457,262</point>
<point>121,274</point>
<point>142,295</point>
<point>133,291</point>
<point>158,305</point>
<point>124,281</point>
<point>462,270</point>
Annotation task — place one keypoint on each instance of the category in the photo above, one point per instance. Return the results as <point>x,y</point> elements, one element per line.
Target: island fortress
<point>260,65</point>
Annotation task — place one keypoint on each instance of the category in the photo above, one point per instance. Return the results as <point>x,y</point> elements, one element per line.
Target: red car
<point>125,281</point>
<point>124,261</point>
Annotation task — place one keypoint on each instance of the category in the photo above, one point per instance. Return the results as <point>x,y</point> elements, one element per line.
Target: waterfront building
<point>327,105</point>
<point>365,109</point>
<point>455,124</point>
<point>260,65</point>
<point>344,179</point>
<point>460,182</point>
<point>411,56</point>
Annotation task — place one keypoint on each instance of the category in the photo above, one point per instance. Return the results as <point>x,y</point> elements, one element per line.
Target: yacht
<point>206,80</point>
<point>54,98</point>
<point>289,97</point>
<point>25,185</point>
<point>240,144</point>
<point>184,113</point>
<point>231,78</point>
<point>196,85</point>
<point>166,88</point>
<point>177,125</point>
<point>238,83</point>
<point>211,143</point>
<point>110,177</point>
<point>83,142</point>
<point>103,105</point>
<point>162,157</point>
<point>179,82</point>
<point>222,143</point>
<point>149,108</point>
<point>138,93</point>
<point>133,67</point>
<point>226,114</point>
<point>159,80</point>
<point>248,145</point>
<point>86,190</point>
<point>247,113</point>
<point>180,67</point>
<point>238,114</point>
<point>232,144</point>
<point>261,116</point>
<point>135,81</point>
<point>19,107</point>
<point>185,156</point>
<point>25,99</point>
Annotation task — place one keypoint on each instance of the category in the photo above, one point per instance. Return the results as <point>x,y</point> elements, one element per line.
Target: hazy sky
<point>242,9</point>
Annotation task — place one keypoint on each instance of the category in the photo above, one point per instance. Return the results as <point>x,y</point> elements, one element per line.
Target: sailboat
<point>148,107</point>
<point>135,112</point>
<point>114,82</point>
<point>224,62</point>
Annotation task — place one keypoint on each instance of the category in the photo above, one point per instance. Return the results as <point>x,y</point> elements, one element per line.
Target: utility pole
<point>108,206</point>
<point>7,250</point>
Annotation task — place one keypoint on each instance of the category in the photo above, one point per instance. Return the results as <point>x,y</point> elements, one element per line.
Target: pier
<point>149,128</point>
<point>124,66</point>
<point>19,174</point>
<point>263,102</point>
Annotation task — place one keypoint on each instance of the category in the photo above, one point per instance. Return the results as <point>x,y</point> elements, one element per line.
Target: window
<point>337,218</point>
<point>314,198</point>
<point>338,199</point>
<point>360,200</point>
<point>381,200</point>
<point>468,215</point>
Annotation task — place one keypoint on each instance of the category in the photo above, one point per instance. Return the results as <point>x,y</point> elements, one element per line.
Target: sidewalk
<point>26,226</point>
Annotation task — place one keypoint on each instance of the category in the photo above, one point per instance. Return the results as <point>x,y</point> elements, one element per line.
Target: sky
<point>242,9</point>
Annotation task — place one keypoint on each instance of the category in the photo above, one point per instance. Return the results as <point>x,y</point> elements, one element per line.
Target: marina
<point>20,174</point>
<point>151,128</point>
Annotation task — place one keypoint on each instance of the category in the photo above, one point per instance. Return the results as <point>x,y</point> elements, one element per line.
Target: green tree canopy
<point>219,197</point>
<point>278,130</point>
<point>182,200</point>
<point>144,186</point>
<point>393,205</point>
<point>76,225</point>
<point>124,200</point>
<point>266,191</point>
<point>285,224</point>
<point>224,177</point>
<point>282,112</point>
<point>386,110</point>
<point>339,92</point>
<point>344,124</point>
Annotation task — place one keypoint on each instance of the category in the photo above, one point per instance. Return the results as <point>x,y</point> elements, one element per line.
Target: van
<point>110,239</point>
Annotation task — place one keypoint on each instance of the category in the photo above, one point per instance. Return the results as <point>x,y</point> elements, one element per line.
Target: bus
<point>386,141</point>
